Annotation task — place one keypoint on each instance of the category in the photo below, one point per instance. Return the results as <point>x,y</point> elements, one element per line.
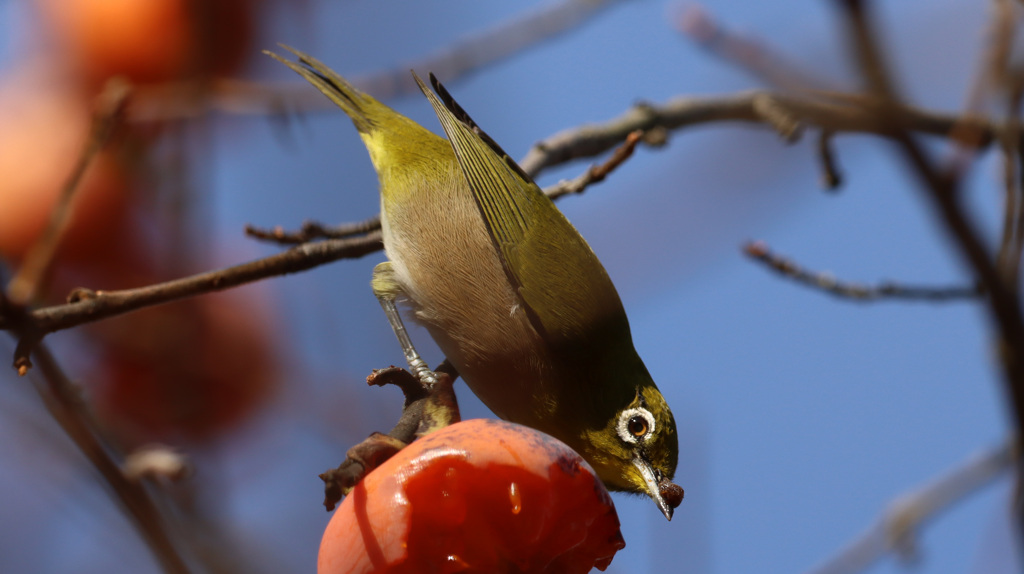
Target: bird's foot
<point>422,371</point>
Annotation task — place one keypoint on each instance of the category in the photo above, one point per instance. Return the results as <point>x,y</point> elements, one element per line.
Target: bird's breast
<point>453,277</point>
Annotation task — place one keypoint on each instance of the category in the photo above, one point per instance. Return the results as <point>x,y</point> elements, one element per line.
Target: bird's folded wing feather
<point>562,285</point>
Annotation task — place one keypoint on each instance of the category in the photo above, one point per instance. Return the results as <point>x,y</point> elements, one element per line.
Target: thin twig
<point>87,306</point>
<point>826,282</point>
<point>597,172</point>
<point>776,114</point>
<point>832,111</point>
<point>897,527</point>
<point>831,177</point>
<point>313,230</point>
<point>1016,251</point>
<point>110,107</point>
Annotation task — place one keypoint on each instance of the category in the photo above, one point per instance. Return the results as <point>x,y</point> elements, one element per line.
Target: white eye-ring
<point>635,425</point>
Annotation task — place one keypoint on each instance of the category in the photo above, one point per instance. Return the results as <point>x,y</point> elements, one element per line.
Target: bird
<point>507,288</point>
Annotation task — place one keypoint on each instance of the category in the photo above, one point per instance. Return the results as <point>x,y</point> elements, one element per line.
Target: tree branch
<point>831,111</point>
<point>826,282</point>
<point>943,190</point>
<point>839,113</point>
<point>62,399</point>
<point>85,306</point>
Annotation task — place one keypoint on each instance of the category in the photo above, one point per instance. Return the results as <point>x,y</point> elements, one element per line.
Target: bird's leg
<point>387,289</point>
<point>416,363</point>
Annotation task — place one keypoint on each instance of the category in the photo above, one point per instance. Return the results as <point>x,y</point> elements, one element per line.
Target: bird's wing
<point>562,285</point>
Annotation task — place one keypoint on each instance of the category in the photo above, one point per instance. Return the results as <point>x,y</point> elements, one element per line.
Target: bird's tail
<point>358,105</point>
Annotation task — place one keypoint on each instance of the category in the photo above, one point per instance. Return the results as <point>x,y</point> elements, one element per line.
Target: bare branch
<point>831,111</point>
<point>86,306</point>
<point>942,188</point>
<point>65,404</point>
<point>896,529</point>
<point>827,283</point>
<point>345,242</point>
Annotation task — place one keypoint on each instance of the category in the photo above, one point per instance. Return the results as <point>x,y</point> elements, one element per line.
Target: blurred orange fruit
<point>186,370</point>
<point>45,128</point>
<point>150,40</point>
<point>477,496</point>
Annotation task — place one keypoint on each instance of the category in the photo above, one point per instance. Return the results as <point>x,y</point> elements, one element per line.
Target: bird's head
<point>638,449</point>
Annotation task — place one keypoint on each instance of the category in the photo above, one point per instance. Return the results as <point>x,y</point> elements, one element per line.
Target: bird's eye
<point>635,425</point>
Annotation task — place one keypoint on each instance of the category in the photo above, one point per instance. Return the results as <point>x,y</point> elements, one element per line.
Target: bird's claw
<point>427,377</point>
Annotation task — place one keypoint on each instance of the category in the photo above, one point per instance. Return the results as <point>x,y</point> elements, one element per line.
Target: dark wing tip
<point>462,116</point>
<point>453,106</point>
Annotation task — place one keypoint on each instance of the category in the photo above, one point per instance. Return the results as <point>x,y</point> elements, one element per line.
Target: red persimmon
<point>477,496</point>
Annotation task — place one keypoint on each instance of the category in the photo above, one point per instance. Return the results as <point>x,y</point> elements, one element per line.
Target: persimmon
<point>476,496</point>
<point>150,40</point>
<point>45,127</point>
<point>186,370</point>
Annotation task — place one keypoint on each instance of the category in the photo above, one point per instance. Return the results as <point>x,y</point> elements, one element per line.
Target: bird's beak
<point>654,487</point>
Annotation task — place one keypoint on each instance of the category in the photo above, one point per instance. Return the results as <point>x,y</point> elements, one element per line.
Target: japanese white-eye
<point>508,289</point>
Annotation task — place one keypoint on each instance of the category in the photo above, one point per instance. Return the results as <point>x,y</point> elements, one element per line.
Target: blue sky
<point>801,416</point>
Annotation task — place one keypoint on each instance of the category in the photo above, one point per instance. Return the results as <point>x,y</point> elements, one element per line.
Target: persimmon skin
<point>477,496</point>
